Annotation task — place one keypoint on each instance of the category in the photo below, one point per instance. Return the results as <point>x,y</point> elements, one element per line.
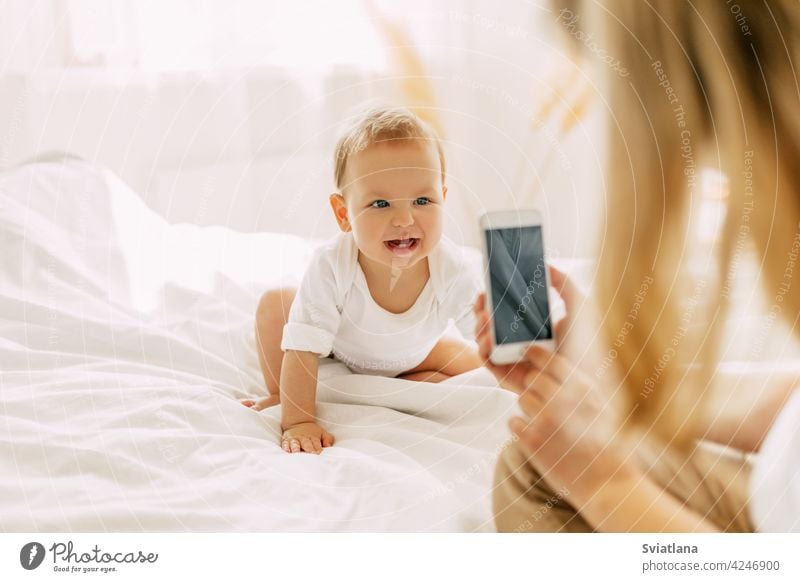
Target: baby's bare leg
<point>449,357</point>
<point>271,315</point>
<point>425,376</point>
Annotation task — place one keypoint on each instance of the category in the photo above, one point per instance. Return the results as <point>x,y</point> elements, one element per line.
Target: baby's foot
<point>257,405</point>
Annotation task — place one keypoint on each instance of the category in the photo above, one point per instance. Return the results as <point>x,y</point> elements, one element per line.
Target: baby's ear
<point>339,208</point>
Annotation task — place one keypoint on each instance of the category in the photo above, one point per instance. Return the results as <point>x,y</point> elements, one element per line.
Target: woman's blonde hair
<point>380,124</point>
<point>708,82</point>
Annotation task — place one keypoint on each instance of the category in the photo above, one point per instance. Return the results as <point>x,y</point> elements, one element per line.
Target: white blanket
<point>125,345</point>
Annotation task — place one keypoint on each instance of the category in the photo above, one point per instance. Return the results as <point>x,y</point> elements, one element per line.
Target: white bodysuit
<point>334,313</point>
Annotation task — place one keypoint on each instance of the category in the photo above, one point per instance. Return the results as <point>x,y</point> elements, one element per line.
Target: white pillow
<point>57,230</point>
<point>81,224</point>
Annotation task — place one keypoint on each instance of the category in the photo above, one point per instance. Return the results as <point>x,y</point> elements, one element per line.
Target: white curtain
<point>225,111</point>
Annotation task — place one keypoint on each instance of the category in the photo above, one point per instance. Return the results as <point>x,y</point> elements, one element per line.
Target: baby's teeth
<point>402,243</point>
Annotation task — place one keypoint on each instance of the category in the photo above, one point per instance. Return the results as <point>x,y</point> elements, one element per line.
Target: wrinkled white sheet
<point>125,344</point>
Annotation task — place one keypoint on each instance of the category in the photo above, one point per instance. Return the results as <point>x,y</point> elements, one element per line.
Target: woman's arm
<point>570,435</point>
<point>743,411</point>
<point>570,439</point>
<point>634,503</point>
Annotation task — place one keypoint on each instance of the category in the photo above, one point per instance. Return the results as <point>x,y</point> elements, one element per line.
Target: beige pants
<point>711,480</point>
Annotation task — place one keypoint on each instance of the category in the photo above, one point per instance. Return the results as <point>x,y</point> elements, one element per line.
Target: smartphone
<point>517,283</point>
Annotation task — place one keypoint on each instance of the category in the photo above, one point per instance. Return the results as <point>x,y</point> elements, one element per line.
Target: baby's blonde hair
<point>378,125</point>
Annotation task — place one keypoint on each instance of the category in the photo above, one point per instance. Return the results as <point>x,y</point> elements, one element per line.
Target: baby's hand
<point>306,437</point>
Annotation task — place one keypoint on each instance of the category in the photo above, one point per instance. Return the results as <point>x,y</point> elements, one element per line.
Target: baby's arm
<point>298,387</point>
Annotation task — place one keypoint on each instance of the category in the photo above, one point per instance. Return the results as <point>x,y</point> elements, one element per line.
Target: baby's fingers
<point>327,439</point>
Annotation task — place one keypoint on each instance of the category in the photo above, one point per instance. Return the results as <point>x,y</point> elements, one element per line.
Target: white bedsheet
<point>124,348</point>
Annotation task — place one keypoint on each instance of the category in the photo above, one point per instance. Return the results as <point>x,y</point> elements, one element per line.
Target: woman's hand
<point>569,429</point>
<point>569,426</point>
<point>512,376</point>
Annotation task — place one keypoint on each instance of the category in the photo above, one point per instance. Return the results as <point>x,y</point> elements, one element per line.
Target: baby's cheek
<point>433,226</point>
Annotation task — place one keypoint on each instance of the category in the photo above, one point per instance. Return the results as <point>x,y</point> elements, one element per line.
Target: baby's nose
<point>403,218</point>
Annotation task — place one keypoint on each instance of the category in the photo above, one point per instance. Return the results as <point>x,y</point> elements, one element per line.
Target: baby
<point>380,295</point>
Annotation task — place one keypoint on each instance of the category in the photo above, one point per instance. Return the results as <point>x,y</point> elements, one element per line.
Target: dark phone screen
<point>521,309</point>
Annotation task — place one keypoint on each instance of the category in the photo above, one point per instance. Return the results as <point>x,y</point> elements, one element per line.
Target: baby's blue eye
<point>380,204</point>
<point>422,201</point>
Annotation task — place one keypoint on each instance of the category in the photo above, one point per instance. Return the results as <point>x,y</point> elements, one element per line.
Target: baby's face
<point>394,199</point>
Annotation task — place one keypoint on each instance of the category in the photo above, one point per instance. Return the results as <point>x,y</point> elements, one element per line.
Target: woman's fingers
<point>480,303</point>
<point>562,328</point>
<point>515,377</point>
<point>561,283</point>
<point>511,377</point>
<point>566,288</point>
<point>484,346</point>
<point>527,438</point>
<point>482,336</point>
<point>540,388</point>
<point>550,363</point>
<point>481,321</point>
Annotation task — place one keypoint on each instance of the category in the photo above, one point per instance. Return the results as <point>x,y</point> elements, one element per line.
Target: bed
<point>126,344</point>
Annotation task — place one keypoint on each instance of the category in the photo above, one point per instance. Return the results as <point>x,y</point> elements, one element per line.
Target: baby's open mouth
<point>402,244</point>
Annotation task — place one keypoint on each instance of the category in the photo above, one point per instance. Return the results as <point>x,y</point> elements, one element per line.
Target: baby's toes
<point>248,403</point>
